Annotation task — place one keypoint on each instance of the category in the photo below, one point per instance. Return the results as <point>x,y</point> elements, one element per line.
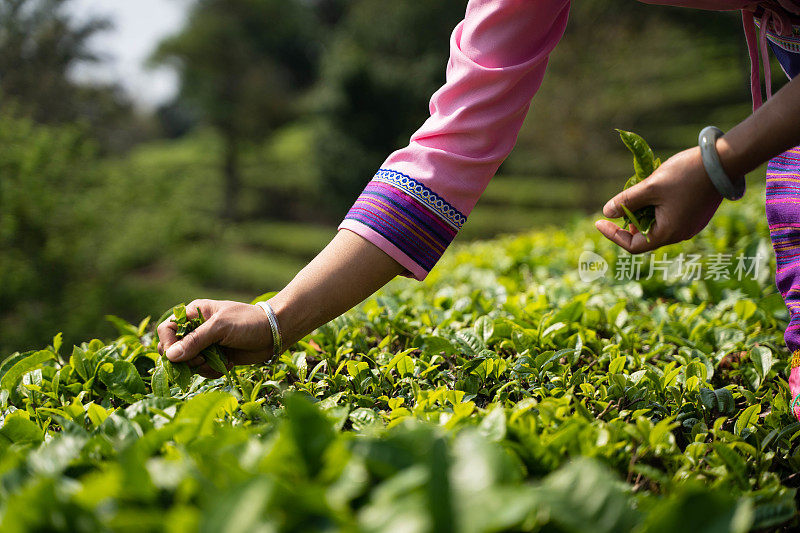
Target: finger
<point>169,323</point>
<point>197,361</point>
<point>641,243</point>
<point>246,357</point>
<point>166,334</point>
<point>207,372</point>
<point>637,197</point>
<point>194,342</point>
<point>655,238</point>
<point>206,307</point>
<point>614,233</point>
<point>633,242</point>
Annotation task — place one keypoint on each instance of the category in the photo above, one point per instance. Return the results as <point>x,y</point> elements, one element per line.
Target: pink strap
<point>771,20</point>
<point>750,36</point>
<point>762,42</point>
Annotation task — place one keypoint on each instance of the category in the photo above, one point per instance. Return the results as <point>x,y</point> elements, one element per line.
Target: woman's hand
<point>241,330</point>
<point>684,200</point>
<point>348,270</point>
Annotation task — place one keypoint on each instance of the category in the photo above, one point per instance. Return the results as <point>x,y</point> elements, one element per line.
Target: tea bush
<point>503,393</point>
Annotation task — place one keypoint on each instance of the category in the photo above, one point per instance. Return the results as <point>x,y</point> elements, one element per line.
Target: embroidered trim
<point>788,43</point>
<point>424,195</point>
<point>412,217</point>
<point>795,359</point>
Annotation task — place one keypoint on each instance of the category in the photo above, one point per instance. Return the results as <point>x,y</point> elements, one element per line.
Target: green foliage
<point>83,236</point>
<point>77,234</point>
<point>48,228</point>
<point>644,164</point>
<point>502,394</point>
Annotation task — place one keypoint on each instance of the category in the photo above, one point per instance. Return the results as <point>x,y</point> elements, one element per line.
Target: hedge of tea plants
<point>503,393</point>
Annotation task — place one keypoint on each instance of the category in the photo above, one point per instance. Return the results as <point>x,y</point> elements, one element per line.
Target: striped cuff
<point>412,218</point>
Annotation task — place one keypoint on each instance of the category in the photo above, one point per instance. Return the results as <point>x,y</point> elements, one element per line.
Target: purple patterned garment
<point>783,215</point>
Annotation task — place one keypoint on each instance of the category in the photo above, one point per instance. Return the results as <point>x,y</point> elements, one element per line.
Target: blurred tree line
<point>362,70</point>
<point>40,46</point>
<point>286,108</point>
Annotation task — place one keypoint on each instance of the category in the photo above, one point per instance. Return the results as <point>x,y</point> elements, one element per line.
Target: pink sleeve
<point>419,199</point>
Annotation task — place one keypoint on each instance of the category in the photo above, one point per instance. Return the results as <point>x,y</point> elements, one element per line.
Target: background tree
<point>40,46</point>
<point>384,62</point>
<point>242,63</point>
<point>655,88</point>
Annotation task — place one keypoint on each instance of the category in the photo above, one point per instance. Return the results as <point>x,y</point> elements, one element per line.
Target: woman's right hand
<point>684,200</point>
<point>241,330</point>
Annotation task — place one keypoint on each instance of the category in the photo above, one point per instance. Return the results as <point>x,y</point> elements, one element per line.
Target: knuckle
<point>201,303</point>
<point>189,341</point>
<point>166,328</point>
<point>218,325</point>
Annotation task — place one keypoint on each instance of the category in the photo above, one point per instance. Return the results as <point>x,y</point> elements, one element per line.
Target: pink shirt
<point>422,194</point>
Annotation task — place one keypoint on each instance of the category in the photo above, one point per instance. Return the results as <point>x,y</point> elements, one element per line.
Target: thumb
<point>193,343</point>
<point>638,196</point>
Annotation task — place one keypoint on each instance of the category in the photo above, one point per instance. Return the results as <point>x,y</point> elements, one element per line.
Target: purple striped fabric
<point>783,215</point>
<point>409,215</point>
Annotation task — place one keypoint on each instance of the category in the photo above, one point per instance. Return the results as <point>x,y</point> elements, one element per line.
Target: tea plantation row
<point>504,393</point>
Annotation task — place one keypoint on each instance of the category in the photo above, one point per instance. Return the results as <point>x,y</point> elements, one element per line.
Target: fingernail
<point>610,209</point>
<point>175,352</point>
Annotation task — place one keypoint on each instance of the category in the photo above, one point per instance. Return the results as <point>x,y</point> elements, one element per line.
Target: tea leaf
<point>122,380</point>
<point>643,159</point>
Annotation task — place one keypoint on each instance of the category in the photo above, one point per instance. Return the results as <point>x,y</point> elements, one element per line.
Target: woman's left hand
<point>684,199</point>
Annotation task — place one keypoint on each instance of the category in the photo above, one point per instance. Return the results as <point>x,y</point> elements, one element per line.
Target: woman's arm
<point>770,131</point>
<point>346,272</point>
<point>681,191</point>
<point>421,196</point>
<point>412,209</point>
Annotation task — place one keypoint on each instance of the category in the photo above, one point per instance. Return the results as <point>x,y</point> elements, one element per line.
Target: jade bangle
<point>708,150</point>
